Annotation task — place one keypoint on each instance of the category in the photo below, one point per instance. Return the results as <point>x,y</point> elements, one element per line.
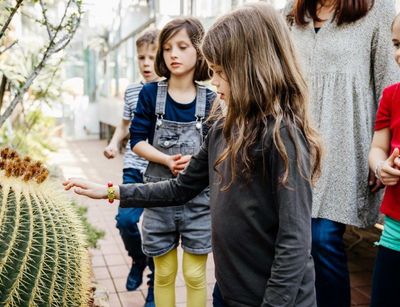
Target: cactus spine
<point>43,255</point>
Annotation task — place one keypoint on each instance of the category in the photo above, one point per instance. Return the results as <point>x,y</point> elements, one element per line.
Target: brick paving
<point>110,262</point>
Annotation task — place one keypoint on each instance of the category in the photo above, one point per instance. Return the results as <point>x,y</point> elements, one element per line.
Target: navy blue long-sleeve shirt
<point>144,121</point>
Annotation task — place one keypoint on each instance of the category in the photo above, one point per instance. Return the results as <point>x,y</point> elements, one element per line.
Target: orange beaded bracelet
<point>110,192</point>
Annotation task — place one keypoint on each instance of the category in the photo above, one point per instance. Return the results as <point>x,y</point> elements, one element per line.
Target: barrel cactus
<point>43,254</point>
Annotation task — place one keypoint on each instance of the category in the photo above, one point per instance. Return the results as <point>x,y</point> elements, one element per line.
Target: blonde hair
<point>148,37</point>
<point>252,45</point>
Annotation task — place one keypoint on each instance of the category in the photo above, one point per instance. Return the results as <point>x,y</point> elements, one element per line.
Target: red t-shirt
<point>388,116</point>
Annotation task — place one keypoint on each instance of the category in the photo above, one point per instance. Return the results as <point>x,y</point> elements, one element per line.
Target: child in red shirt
<point>384,159</point>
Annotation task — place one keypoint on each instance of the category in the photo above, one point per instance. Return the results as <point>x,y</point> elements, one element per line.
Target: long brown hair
<point>346,11</point>
<point>252,45</point>
<point>195,31</point>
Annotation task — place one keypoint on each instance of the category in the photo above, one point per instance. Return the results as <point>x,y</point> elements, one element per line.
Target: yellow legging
<point>194,272</point>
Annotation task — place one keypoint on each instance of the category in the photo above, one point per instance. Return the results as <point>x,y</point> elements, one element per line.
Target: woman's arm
<point>293,241</point>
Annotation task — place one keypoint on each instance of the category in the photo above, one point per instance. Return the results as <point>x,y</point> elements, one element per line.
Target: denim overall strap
<point>162,90</point>
<point>201,100</point>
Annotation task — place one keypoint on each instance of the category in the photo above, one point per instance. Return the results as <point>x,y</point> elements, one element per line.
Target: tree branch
<point>50,50</point>
<point>65,15</point>
<point>21,91</point>
<point>52,77</point>
<point>6,24</point>
<point>64,41</point>
<point>45,19</point>
<point>9,47</point>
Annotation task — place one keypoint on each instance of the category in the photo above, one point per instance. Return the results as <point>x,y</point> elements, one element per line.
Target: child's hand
<point>110,151</point>
<point>89,189</point>
<point>397,162</point>
<point>374,183</point>
<point>172,162</point>
<point>177,163</point>
<point>387,171</point>
<point>181,163</point>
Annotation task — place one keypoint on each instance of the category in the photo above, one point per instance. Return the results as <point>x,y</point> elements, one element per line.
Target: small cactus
<point>43,255</point>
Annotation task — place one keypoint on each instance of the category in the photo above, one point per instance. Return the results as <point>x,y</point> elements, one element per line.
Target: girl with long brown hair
<point>345,49</point>
<point>260,158</point>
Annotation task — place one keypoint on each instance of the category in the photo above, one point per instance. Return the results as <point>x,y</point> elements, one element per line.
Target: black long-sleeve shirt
<point>261,229</point>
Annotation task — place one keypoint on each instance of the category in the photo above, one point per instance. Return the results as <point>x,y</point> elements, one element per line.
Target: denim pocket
<point>187,148</point>
<point>166,142</point>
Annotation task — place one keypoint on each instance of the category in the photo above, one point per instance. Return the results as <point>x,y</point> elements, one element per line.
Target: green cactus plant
<point>43,255</point>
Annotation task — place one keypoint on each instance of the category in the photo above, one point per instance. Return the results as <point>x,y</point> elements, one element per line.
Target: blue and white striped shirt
<point>132,160</point>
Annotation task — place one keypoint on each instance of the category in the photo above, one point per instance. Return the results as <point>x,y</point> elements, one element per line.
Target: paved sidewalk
<point>110,261</point>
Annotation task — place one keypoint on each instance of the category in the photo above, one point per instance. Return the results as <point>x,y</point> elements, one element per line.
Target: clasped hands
<point>177,163</point>
<point>388,171</point>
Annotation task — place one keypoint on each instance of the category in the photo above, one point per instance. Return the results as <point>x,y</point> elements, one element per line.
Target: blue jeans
<point>332,282</point>
<point>385,280</point>
<point>127,219</point>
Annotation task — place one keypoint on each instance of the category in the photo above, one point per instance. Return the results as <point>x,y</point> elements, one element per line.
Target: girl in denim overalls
<point>170,114</point>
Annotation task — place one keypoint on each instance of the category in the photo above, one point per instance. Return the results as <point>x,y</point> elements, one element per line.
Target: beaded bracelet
<point>110,192</point>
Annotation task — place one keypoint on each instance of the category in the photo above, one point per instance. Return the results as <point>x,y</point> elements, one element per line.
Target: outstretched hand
<point>88,188</point>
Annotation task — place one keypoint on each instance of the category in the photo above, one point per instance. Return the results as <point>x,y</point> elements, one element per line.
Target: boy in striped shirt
<point>134,166</point>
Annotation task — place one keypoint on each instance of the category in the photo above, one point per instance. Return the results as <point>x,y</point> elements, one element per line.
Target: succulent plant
<point>43,254</point>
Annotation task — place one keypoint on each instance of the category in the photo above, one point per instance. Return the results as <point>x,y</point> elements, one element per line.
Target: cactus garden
<point>43,255</point>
